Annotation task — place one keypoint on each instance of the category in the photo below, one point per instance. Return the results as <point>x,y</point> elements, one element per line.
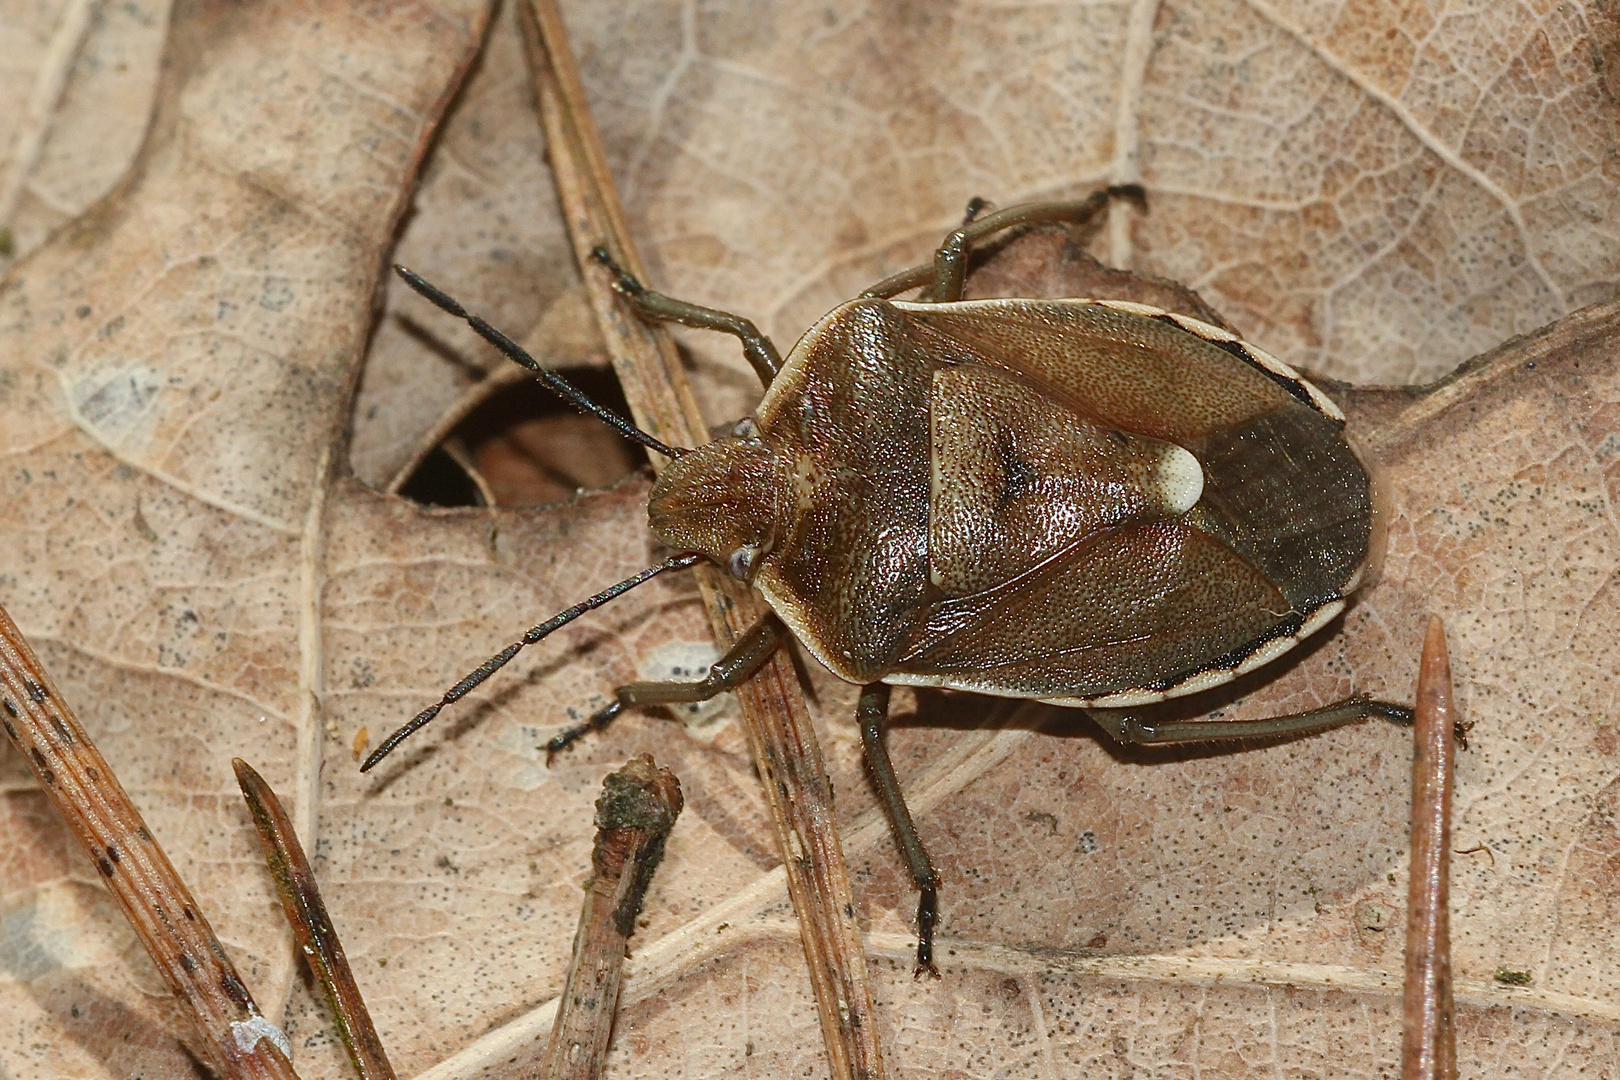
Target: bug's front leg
<point>872,713</point>
<point>757,348</point>
<point>744,658</point>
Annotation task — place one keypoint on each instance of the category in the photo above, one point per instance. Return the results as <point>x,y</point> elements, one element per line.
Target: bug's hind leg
<point>757,348</point>
<point>948,271</point>
<point>744,658</point>
<point>872,712</point>
<point>1126,728</point>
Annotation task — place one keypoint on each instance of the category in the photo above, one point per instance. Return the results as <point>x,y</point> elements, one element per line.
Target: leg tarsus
<point>1406,718</point>
<point>927,918</point>
<point>871,713</point>
<point>757,348</point>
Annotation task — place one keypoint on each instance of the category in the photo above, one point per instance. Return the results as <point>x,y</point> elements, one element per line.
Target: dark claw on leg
<point>564,739</point>
<point>927,916</point>
<point>623,281</point>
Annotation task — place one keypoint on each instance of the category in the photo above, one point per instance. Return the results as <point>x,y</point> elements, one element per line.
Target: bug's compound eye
<point>741,563</point>
<point>745,428</point>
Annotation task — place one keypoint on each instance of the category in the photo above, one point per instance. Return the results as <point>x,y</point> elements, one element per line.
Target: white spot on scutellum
<point>248,1033</point>
<point>1178,480</point>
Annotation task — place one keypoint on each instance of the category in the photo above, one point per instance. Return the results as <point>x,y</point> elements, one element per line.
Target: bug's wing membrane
<point>1135,607</point>
<point>1292,497</point>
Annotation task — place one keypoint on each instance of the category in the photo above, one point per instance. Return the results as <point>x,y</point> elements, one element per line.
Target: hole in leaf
<point>529,448</point>
<point>440,481</point>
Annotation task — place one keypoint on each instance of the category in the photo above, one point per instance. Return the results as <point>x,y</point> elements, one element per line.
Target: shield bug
<point>1091,503</point>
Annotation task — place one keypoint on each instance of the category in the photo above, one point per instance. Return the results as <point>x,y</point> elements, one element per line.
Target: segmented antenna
<point>515,352</point>
<point>536,634</point>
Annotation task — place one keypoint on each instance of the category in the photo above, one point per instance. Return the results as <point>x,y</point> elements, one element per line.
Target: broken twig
<point>634,814</point>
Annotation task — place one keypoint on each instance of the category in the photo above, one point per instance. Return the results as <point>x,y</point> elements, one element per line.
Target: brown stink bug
<point>1091,503</point>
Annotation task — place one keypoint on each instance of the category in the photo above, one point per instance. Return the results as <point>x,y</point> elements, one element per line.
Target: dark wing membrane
<point>1139,606</point>
<point>1287,492</point>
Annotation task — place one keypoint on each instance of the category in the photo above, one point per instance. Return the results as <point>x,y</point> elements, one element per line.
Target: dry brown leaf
<point>1375,192</point>
<point>77,81</point>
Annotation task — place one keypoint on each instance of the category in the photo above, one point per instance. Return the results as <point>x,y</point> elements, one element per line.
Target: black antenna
<point>538,633</point>
<point>442,300</point>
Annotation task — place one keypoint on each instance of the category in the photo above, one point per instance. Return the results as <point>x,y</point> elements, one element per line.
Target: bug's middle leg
<point>744,658</point>
<point>757,348</point>
<point>871,713</point>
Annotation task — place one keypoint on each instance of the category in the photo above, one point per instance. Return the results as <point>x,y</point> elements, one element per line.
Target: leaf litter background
<point>198,402</point>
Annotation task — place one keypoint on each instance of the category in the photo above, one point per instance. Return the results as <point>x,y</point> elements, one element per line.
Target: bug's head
<point>731,500</point>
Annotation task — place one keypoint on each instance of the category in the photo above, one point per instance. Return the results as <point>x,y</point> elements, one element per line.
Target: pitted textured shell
<point>1085,502</point>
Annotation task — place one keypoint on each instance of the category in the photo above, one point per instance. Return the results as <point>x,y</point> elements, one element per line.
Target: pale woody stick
<point>1429,1046</point>
<point>232,1036</point>
<point>780,734</point>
